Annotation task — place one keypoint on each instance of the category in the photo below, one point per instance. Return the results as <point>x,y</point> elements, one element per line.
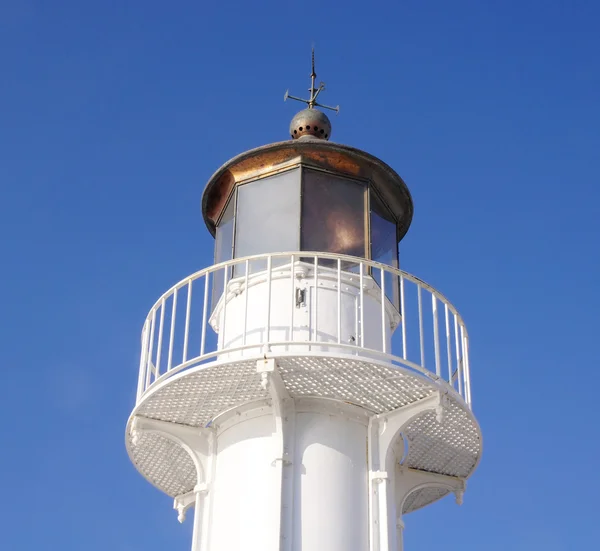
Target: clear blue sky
<point>114,114</point>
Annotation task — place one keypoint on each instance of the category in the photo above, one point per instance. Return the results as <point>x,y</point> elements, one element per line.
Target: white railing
<point>188,324</point>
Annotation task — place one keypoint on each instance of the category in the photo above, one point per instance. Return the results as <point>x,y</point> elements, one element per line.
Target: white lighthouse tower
<point>304,393</point>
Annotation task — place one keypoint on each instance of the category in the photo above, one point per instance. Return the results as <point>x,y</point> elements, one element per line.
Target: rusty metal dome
<point>310,122</point>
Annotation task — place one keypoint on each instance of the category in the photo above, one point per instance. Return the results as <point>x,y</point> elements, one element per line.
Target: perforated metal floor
<point>197,396</point>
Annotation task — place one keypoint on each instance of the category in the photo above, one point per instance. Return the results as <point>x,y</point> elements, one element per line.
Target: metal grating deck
<point>196,396</point>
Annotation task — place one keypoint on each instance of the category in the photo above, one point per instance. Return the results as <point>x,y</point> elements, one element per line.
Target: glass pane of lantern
<point>223,248</point>
<point>224,235</point>
<point>268,218</point>
<point>384,247</point>
<point>333,215</point>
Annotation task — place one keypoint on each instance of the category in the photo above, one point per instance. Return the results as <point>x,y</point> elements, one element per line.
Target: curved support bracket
<point>408,481</point>
<point>385,427</point>
<point>198,442</point>
<point>383,434</point>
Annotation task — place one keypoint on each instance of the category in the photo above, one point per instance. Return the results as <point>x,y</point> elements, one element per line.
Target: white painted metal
<point>403,317</point>
<point>421,337</point>
<point>327,319</point>
<point>148,362</point>
<point>385,323</point>
<point>297,427</point>
<point>330,482</point>
<point>436,336</point>
<point>245,315</point>
<point>186,333</point>
<point>301,460</point>
<point>160,336</point>
<point>204,314</point>
<point>361,287</point>
<point>448,341</point>
<point>339,300</point>
<point>172,332</point>
<point>198,515</point>
<point>326,315</point>
<point>244,486</point>
<point>143,360</point>
<point>459,368</point>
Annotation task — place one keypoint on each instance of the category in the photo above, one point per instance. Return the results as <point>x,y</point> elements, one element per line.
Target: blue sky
<point>114,115</point>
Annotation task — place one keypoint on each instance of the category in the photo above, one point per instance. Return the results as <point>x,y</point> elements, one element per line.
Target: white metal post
<point>436,336</point>
<point>400,534</point>
<point>186,332</point>
<point>198,516</point>
<point>421,341</point>
<point>403,315</point>
<point>172,331</point>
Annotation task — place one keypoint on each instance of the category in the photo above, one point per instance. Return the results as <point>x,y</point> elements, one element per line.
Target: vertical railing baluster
<point>160,338</point>
<point>204,314</point>
<point>172,331</point>
<point>293,294</point>
<point>246,293</point>
<point>361,295</point>
<point>465,341</point>
<point>458,373</point>
<point>339,300</point>
<point>150,348</point>
<point>436,335</point>
<point>421,325</point>
<point>316,301</point>
<point>186,331</point>
<point>268,317</point>
<point>383,335</point>
<point>448,345</point>
<point>458,358</point>
<point>402,313</point>
<point>223,324</point>
<point>464,364</point>
<point>469,371</point>
<point>143,361</point>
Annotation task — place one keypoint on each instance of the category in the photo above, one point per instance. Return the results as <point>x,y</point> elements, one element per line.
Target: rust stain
<point>265,161</point>
<point>218,195</point>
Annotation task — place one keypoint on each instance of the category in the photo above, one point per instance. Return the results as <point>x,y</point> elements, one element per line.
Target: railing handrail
<point>298,254</point>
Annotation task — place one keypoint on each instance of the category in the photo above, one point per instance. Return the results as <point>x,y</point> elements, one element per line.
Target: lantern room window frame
<point>392,289</point>
<point>305,174</point>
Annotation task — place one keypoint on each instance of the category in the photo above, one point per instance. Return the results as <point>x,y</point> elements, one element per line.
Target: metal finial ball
<point>310,122</point>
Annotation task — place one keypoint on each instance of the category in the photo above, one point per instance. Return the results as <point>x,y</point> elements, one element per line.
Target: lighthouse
<point>304,393</point>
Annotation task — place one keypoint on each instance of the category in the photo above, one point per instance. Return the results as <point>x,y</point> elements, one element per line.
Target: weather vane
<point>314,92</point>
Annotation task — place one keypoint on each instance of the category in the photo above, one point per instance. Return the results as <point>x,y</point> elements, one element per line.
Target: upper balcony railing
<point>305,302</point>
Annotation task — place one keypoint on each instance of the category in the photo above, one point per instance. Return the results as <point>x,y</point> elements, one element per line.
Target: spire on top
<point>314,92</point>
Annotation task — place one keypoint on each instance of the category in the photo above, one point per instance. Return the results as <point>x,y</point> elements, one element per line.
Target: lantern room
<point>307,194</point>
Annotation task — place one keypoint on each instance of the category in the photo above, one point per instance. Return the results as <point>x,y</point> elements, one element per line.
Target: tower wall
<point>302,308</point>
<point>244,507</point>
<point>330,483</point>
<point>325,482</point>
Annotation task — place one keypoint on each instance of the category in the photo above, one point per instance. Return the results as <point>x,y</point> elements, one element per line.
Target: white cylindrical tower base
<point>305,309</point>
<point>244,508</point>
<point>284,465</point>
<point>330,483</point>
<point>321,488</point>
